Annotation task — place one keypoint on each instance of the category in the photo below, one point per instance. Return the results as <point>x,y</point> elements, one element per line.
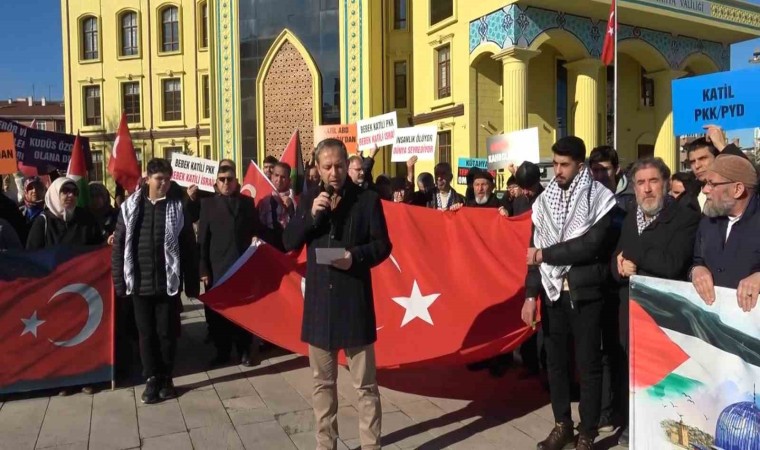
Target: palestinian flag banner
<point>693,369</point>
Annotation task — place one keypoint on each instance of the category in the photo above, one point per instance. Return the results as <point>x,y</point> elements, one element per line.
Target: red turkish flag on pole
<point>123,165</point>
<point>56,322</point>
<point>610,36</point>
<point>256,184</point>
<point>437,302</point>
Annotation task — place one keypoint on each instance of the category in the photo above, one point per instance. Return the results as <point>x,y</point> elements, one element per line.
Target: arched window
<point>90,38</point>
<point>129,42</point>
<point>170,29</point>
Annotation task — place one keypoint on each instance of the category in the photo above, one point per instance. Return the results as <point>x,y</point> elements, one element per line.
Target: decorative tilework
<point>515,25</point>
<point>227,125</point>
<point>353,95</point>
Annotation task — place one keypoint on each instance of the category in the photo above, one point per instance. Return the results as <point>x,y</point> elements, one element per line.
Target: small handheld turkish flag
<point>123,165</point>
<point>449,297</point>
<point>56,322</point>
<point>610,36</point>
<point>256,184</point>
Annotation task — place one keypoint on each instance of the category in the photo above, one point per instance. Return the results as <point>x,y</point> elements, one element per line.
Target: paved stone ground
<point>269,407</point>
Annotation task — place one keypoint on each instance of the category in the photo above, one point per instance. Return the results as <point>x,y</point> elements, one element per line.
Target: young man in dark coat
<point>727,248</point>
<point>228,223</point>
<point>656,239</point>
<point>568,258</point>
<point>338,307</point>
<point>154,254</point>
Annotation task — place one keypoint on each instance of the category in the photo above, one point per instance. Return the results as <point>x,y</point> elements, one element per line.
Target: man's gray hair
<point>334,144</point>
<point>650,161</point>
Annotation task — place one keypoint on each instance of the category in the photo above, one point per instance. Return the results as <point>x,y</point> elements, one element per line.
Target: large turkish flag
<point>450,293</point>
<point>55,318</point>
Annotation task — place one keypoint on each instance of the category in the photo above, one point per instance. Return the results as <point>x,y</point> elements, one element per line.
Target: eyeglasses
<point>226,179</point>
<point>66,190</point>
<point>711,185</point>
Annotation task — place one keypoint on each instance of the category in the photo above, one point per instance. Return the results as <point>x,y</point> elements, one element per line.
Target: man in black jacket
<point>228,223</point>
<point>656,239</point>
<point>338,308</point>
<point>727,248</point>
<point>154,252</point>
<point>568,258</point>
<point>276,209</point>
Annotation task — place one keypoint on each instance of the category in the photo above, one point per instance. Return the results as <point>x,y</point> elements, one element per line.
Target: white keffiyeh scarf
<point>175,220</point>
<point>561,215</point>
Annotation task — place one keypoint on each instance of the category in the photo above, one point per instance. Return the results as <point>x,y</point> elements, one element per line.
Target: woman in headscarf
<point>101,208</point>
<point>63,222</point>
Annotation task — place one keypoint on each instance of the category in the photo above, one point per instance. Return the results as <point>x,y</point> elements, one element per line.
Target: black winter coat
<point>48,230</point>
<point>732,260</point>
<point>10,212</point>
<point>664,249</point>
<point>148,251</point>
<point>589,257</point>
<point>339,309</point>
<point>225,231</point>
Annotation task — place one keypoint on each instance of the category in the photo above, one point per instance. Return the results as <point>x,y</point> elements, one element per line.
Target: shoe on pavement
<point>585,442</point>
<point>606,425</point>
<point>167,390</point>
<point>562,437</point>
<point>150,394</point>
<point>623,439</point>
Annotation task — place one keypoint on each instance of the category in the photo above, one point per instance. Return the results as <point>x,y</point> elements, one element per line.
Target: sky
<point>32,56</point>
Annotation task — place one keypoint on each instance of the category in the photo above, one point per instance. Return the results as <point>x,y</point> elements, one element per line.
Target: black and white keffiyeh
<point>175,220</point>
<point>642,220</point>
<point>560,215</point>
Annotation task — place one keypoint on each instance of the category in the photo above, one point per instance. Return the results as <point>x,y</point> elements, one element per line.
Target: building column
<point>515,86</point>
<point>586,117</point>
<point>666,145</point>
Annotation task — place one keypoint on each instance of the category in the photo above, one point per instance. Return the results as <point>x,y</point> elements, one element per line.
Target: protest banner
<point>515,147</point>
<point>189,170</point>
<point>8,162</point>
<point>343,133</point>
<point>693,368</point>
<point>728,99</point>
<point>43,149</point>
<point>414,141</point>
<point>378,130</point>
<point>465,164</point>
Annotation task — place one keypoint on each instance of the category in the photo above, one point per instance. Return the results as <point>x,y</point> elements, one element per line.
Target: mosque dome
<point>739,427</point>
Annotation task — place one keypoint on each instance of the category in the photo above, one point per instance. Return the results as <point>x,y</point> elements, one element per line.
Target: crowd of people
<point>595,225</point>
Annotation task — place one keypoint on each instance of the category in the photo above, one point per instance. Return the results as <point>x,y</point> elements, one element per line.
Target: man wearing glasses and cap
<point>228,223</point>
<point>727,248</point>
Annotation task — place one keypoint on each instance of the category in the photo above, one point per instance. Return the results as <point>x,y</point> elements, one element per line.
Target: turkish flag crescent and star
<point>256,184</point>
<point>450,293</point>
<point>608,50</point>
<point>56,322</point>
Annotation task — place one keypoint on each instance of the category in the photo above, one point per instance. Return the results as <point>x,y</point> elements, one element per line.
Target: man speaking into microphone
<point>344,230</point>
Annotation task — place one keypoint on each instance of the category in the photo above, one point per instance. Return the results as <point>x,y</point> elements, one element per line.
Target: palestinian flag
<point>77,171</point>
<point>693,369</point>
<point>293,156</point>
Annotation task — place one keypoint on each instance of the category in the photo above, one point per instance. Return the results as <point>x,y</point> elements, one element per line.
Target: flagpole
<point>615,88</point>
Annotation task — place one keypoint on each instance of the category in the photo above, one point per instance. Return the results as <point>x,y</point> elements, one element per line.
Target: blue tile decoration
<point>517,25</point>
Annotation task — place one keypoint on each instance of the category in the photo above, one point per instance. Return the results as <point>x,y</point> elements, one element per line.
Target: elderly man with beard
<point>727,248</point>
<point>656,239</point>
<point>568,265</point>
<point>482,189</point>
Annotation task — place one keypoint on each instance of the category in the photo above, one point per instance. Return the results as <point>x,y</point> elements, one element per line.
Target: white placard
<point>515,147</point>
<point>189,170</point>
<point>378,130</point>
<point>414,141</point>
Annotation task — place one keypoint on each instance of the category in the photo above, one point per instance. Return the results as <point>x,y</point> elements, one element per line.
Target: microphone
<point>322,214</point>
